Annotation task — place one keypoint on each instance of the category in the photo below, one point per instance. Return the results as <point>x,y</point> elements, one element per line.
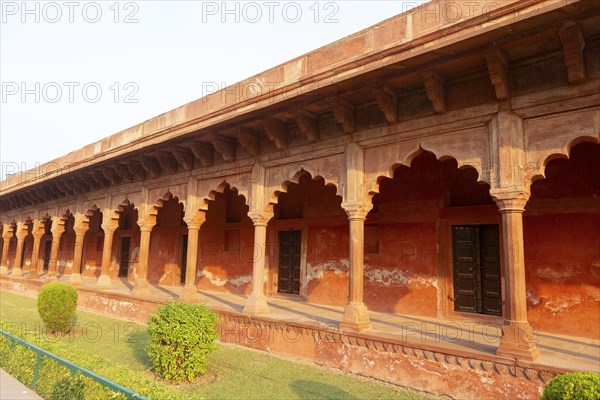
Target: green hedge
<point>573,386</point>
<point>181,337</point>
<point>56,304</point>
<point>55,381</point>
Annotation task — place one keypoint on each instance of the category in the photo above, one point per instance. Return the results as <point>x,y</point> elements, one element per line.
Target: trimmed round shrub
<point>181,337</point>
<point>573,386</point>
<point>56,305</point>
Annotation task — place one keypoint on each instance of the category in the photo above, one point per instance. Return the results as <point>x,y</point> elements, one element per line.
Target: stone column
<point>109,228</point>
<point>141,286</point>
<point>7,234</point>
<point>190,292</point>
<point>21,234</point>
<point>257,301</point>
<point>35,252</point>
<point>80,232</point>
<point>518,340</point>
<point>58,228</point>
<point>356,316</point>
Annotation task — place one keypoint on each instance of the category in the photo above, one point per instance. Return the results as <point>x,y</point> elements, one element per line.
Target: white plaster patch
<point>556,275</point>
<point>216,281</point>
<point>559,305</point>
<point>396,277</point>
<point>318,271</point>
<point>532,297</point>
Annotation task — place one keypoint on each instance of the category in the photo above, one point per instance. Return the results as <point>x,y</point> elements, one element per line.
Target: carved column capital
<point>260,218</point>
<point>510,201</point>
<point>110,227</point>
<point>195,221</point>
<point>357,210</point>
<point>7,232</point>
<point>81,230</point>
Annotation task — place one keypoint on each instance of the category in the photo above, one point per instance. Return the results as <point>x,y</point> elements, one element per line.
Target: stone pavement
<point>12,389</point>
<point>556,351</point>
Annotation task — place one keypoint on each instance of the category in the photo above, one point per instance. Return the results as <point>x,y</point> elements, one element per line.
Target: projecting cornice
<point>419,34</point>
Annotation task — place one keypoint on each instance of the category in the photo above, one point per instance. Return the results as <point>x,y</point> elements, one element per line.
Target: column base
<point>141,287</point>
<point>75,279</point>
<point>16,272</point>
<point>256,305</point>
<point>104,282</point>
<point>51,277</point>
<point>356,318</point>
<point>3,270</point>
<point>518,341</point>
<point>33,275</point>
<point>189,293</point>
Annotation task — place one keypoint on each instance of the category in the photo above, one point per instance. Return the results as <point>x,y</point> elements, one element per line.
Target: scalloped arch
<point>295,179</point>
<point>373,186</point>
<point>221,188</point>
<point>565,152</point>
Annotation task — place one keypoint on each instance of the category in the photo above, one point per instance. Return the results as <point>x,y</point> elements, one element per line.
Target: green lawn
<point>234,372</point>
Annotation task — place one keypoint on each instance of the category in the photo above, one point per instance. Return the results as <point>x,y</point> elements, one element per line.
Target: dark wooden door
<point>477,278</point>
<point>289,262</point>
<point>184,245</point>
<point>47,249</point>
<point>124,260</point>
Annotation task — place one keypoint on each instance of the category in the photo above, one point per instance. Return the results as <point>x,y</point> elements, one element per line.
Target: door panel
<point>124,259</point>
<point>477,278</point>
<point>289,262</point>
<point>47,249</point>
<point>184,246</point>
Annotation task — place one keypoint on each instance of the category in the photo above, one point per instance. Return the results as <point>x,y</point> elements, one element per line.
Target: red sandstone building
<point>440,169</point>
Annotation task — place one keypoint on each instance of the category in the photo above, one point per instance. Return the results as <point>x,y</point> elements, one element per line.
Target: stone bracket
<point>151,166</point>
<point>498,64</point>
<point>223,145</point>
<point>308,124</point>
<point>387,101</point>
<point>573,44</point>
<point>167,162</point>
<point>136,169</point>
<point>184,157</point>
<point>276,132</point>
<point>434,85</point>
<point>344,114</point>
<point>203,152</point>
<point>248,139</point>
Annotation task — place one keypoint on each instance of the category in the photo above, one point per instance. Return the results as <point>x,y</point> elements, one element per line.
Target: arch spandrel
<point>91,204</point>
<point>278,178</point>
<point>208,190</point>
<point>551,137</point>
<point>117,201</point>
<point>469,147</point>
<point>157,196</point>
<point>380,162</point>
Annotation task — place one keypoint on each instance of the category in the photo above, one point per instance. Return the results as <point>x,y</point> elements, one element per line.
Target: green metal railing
<point>41,353</point>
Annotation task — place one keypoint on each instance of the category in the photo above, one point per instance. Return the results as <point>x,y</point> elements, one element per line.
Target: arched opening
<point>561,228</point>
<point>167,244</point>
<point>93,242</point>
<point>66,248</point>
<point>45,246</point>
<point>12,245</point>
<point>27,252</point>
<point>126,244</point>
<point>411,235</point>
<point>309,245</point>
<point>226,244</point>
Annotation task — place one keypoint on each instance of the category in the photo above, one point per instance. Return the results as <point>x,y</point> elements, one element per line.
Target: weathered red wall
<point>562,246</point>
<point>226,266</point>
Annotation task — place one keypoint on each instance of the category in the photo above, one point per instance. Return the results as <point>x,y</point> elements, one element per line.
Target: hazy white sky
<point>73,72</point>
